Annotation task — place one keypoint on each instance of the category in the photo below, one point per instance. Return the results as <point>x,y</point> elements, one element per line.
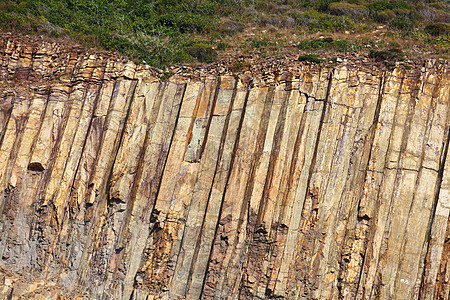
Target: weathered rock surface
<point>310,183</point>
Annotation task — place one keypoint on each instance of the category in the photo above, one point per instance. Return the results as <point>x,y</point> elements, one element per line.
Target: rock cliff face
<point>310,183</point>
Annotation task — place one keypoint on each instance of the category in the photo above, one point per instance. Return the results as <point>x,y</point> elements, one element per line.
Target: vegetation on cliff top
<point>163,32</point>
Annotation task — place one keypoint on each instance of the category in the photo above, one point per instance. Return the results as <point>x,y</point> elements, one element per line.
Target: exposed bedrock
<point>312,182</point>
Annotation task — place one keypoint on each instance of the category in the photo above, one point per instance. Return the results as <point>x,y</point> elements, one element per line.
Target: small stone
<point>251,279</point>
<point>8,281</point>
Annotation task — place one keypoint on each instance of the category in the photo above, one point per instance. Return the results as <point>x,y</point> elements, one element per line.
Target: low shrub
<point>311,58</point>
<point>345,46</point>
<point>439,5</point>
<point>403,23</point>
<point>258,43</point>
<point>403,12</point>
<point>280,21</point>
<point>316,44</point>
<point>283,9</point>
<point>239,66</point>
<point>304,19</point>
<point>231,27</point>
<point>323,5</point>
<point>10,19</point>
<point>329,44</point>
<point>334,23</point>
<point>186,22</point>
<point>222,45</point>
<point>317,21</point>
<point>427,13</point>
<point>348,9</point>
<point>267,6</point>
<point>438,29</point>
<point>443,41</point>
<point>385,15</point>
<point>202,52</point>
<point>442,17</point>
<point>384,5</point>
<point>387,55</point>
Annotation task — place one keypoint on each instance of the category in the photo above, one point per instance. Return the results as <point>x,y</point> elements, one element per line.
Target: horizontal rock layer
<point>311,183</point>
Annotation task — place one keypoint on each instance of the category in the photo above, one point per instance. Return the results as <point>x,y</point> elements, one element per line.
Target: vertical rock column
<point>312,182</point>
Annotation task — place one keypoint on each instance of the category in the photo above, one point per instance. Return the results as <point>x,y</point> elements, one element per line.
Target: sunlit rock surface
<point>313,183</point>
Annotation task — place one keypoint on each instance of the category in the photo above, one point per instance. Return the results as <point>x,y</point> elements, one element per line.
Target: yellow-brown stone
<point>309,183</point>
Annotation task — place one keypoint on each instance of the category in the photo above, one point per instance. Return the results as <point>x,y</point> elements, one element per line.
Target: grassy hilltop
<point>164,32</point>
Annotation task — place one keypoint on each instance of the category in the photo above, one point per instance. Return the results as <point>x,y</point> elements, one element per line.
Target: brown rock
<point>288,181</point>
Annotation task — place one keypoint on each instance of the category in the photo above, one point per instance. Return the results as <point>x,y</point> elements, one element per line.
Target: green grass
<point>383,5</point>
<point>311,58</point>
<point>388,55</point>
<point>329,44</point>
<point>202,52</point>
<point>158,32</point>
<point>165,32</point>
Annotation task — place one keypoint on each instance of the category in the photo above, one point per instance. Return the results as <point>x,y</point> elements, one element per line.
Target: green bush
<point>387,55</point>
<point>239,66</point>
<point>438,29</point>
<point>325,43</point>
<point>334,23</point>
<point>202,52</point>
<point>258,43</point>
<point>397,14</point>
<point>186,22</point>
<point>385,15</point>
<point>222,45</point>
<point>403,23</point>
<point>231,27</point>
<point>329,44</point>
<point>11,21</point>
<point>304,19</point>
<point>275,20</point>
<point>311,58</point>
<point>384,5</point>
<point>323,5</point>
<point>443,41</point>
<point>440,5</point>
<point>348,9</point>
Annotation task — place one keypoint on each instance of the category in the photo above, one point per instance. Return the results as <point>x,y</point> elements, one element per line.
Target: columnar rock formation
<point>311,183</point>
